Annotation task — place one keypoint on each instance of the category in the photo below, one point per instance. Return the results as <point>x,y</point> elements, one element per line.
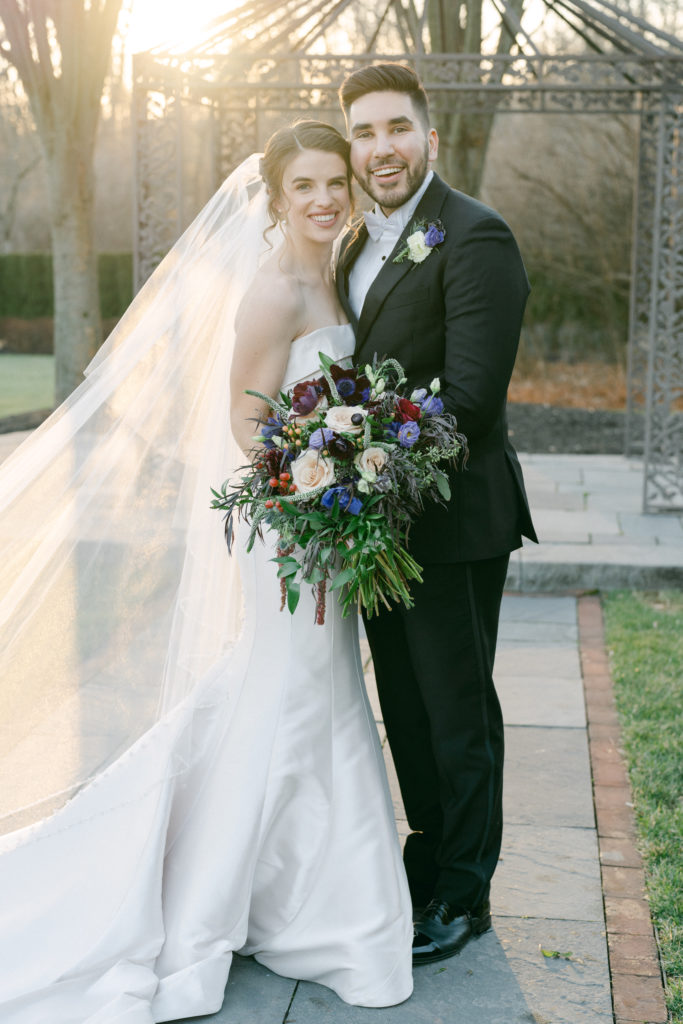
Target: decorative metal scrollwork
<point>250,94</point>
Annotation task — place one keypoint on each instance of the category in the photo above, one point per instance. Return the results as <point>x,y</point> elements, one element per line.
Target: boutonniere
<point>422,239</point>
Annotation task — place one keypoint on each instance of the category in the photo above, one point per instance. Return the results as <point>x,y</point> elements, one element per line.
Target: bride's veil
<point>116,589</point>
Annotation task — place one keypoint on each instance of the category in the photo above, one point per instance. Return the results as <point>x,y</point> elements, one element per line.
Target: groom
<point>454,315</point>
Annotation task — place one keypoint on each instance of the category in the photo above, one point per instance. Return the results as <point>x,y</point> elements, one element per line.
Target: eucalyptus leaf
<point>343,577</point>
<point>443,484</point>
<point>293,594</point>
<point>325,361</point>
<point>288,569</point>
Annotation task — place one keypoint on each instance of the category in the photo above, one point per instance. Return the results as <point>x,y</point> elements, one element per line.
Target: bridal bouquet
<point>341,469</point>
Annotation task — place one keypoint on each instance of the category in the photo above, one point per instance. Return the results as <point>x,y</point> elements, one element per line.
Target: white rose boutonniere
<point>418,250</point>
<point>422,239</point>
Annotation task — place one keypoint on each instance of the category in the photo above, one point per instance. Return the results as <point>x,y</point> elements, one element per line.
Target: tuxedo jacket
<point>455,316</point>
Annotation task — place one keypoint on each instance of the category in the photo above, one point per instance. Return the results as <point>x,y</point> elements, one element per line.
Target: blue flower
<point>320,437</point>
<point>408,434</point>
<point>273,426</point>
<point>434,235</point>
<point>343,496</point>
<point>345,387</point>
<point>394,427</point>
<point>433,406</point>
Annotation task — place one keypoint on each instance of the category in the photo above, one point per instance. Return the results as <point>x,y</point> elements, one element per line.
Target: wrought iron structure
<point>269,60</point>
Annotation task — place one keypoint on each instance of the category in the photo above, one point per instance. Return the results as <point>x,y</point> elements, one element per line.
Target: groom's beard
<point>390,199</point>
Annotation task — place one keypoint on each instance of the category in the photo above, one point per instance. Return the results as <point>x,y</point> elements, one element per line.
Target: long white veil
<point>116,589</point>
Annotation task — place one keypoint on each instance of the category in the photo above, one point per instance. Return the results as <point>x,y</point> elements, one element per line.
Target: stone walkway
<point>588,514</point>
<point>547,891</point>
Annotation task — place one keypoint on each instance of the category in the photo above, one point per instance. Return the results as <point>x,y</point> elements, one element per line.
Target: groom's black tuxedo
<point>455,316</point>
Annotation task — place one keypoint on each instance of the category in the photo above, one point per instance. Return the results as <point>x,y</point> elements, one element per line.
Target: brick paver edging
<point>637,987</point>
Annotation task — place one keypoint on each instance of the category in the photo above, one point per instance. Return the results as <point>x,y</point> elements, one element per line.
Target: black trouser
<point>434,666</point>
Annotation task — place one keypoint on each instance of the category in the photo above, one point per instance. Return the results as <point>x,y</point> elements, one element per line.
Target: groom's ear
<point>433,144</point>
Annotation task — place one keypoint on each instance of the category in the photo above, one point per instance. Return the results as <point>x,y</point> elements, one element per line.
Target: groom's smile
<point>391,148</point>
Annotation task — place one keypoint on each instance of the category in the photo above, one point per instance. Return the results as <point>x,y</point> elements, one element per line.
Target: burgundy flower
<point>407,410</point>
<point>341,448</point>
<point>306,396</point>
<point>353,388</point>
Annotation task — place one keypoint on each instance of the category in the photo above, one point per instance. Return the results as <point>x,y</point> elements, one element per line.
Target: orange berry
<point>273,482</point>
<point>284,476</point>
<point>269,503</point>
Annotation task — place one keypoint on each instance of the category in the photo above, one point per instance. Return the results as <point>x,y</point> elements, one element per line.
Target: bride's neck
<point>308,260</point>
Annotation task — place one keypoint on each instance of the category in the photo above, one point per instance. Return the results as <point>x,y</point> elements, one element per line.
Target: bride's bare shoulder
<point>273,298</point>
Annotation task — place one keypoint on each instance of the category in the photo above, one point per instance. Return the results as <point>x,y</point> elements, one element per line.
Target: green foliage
<point>645,637</point>
<point>26,284</point>
<point>115,276</point>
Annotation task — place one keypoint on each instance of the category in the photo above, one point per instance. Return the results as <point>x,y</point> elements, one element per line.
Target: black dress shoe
<point>442,930</point>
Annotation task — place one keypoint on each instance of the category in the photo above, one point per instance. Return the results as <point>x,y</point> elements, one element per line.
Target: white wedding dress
<point>272,834</point>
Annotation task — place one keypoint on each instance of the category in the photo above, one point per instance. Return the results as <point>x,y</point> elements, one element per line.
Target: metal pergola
<point>265,61</point>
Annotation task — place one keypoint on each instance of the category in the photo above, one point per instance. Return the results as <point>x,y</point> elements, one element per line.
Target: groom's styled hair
<point>390,77</point>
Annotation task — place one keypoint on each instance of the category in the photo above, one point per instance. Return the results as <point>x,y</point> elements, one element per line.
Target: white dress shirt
<point>374,254</point>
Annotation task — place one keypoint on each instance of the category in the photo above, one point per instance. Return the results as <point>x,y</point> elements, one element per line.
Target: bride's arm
<point>269,318</point>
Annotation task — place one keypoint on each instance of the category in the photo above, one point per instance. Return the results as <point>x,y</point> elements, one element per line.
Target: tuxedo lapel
<point>351,246</point>
<point>387,279</point>
<point>392,273</point>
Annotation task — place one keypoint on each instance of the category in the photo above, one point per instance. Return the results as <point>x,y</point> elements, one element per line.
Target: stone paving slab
<point>564,521</point>
<point>564,572</point>
<point>605,556</point>
<point>511,633</point>
<point>593,533</point>
<point>560,991</point>
<point>503,978</point>
<point>548,872</point>
<point>538,608</point>
<point>253,995</point>
<point>477,987</point>
<point>540,700</point>
<point>548,660</point>
<point>547,778</point>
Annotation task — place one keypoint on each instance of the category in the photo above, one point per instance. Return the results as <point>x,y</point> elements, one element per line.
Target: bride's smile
<point>315,196</point>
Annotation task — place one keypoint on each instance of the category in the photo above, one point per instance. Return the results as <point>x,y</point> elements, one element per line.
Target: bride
<point>187,772</point>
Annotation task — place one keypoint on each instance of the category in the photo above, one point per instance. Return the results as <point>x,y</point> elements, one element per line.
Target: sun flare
<point>159,22</point>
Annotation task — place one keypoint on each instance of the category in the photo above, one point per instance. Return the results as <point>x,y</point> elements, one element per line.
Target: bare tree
<point>61,51</point>
<point>464,134</point>
<point>19,152</point>
<point>440,26</point>
<point>565,184</point>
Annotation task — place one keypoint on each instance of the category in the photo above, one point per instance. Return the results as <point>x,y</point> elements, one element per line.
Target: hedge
<point>26,284</point>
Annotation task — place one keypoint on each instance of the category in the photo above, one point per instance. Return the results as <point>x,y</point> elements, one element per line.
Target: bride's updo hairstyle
<point>288,142</point>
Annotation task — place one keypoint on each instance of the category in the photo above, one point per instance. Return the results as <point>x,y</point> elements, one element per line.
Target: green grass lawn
<point>644,633</point>
<point>26,383</point>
